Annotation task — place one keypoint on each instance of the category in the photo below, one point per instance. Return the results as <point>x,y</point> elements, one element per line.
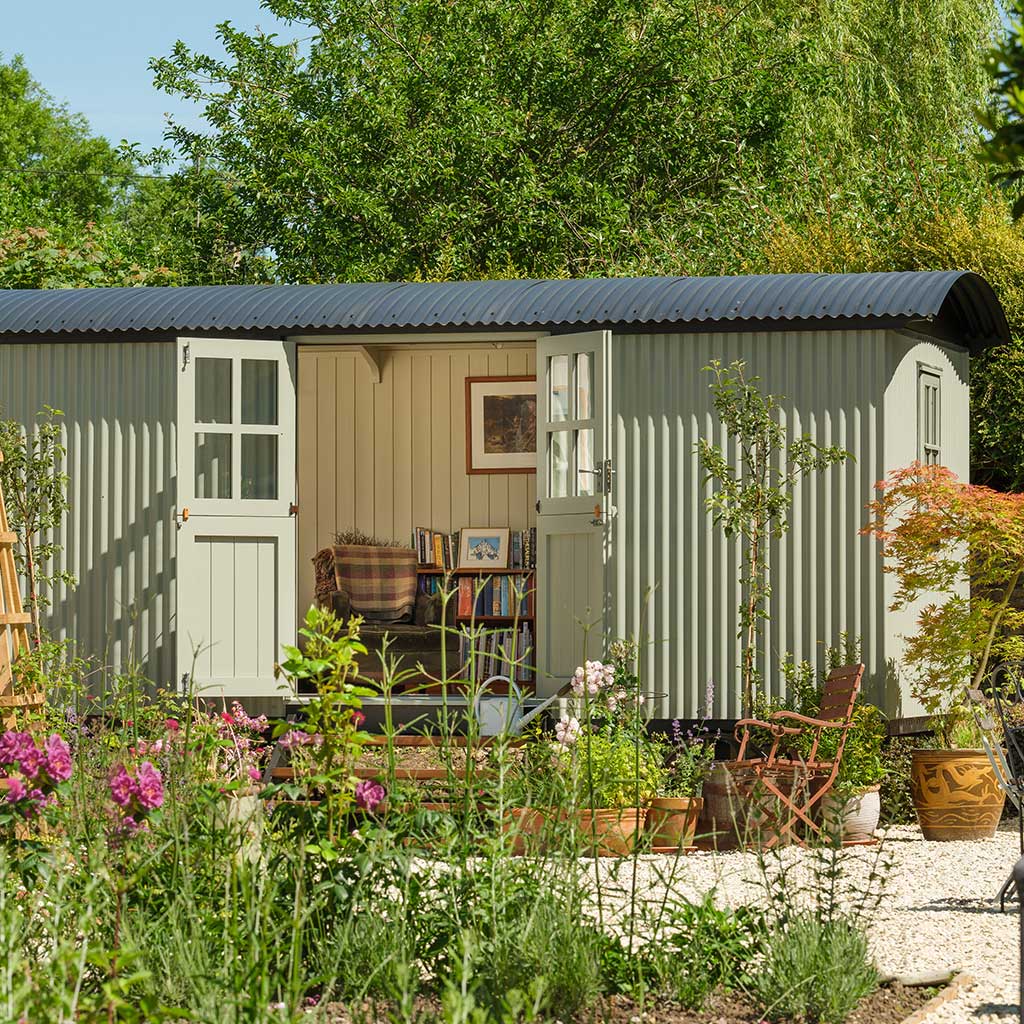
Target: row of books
<point>441,550</point>
<point>503,652</point>
<point>495,595</point>
<point>433,548</point>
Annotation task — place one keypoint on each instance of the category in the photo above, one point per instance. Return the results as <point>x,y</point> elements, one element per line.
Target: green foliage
<point>1004,148</point>
<point>35,488</point>
<point>615,770</point>
<point>814,971</point>
<point>407,140</point>
<point>896,799</point>
<point>751,499</point>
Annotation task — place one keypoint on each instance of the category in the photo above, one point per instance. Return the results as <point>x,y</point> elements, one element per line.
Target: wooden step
<point>15,618</point>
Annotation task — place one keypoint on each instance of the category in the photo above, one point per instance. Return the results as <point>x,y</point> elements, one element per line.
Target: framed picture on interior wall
<point>501,424</point>
<point>484,549</point>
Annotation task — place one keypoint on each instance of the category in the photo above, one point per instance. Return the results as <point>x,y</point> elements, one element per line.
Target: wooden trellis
<point>15,705</point>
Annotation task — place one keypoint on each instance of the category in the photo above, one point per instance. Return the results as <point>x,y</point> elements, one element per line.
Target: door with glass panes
<point>235,513</point>
<point>574,474</point>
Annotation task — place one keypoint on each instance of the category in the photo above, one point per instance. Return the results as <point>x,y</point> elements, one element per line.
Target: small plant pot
<point>672,821</point>
<point>610,831</point>
<point>855,818</point>
<point>956,794</point>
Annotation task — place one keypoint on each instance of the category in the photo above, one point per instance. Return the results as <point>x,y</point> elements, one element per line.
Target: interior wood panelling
<point>388,457</point>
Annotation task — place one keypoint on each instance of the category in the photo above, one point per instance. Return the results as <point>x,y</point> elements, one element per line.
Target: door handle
<point>181,517</point>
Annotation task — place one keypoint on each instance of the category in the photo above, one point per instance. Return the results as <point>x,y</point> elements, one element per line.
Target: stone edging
<point>959,984</point>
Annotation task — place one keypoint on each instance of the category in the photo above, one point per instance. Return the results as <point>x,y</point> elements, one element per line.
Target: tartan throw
<point>380,582</point>
<point>323,575</point>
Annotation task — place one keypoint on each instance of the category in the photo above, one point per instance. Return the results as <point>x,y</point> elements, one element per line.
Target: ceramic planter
<point>855,818</point>
<point>610,831</point>
<point>956,794</point>
<point>672,821</point>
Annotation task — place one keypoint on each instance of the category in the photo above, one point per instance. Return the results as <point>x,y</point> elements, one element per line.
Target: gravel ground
<point>938,910</point>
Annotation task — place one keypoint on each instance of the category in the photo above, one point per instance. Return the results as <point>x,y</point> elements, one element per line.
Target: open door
<point>236,528</point>
<point>574,475</point>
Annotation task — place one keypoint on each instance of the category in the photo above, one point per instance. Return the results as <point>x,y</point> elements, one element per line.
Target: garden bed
<point>890,1004</point>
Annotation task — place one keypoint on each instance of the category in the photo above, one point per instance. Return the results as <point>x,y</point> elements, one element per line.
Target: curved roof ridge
<point>961,300</point>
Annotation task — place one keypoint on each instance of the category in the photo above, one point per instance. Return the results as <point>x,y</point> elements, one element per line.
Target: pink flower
<point>172,725</point>
<point>58,759</point>
<point>149,786</point>
<point>567,730</point>
<point>358,718</point>
<point>15,790</point>
<point>295,738</point>
<point>369,794</point>
<point>255,774</point>
<point>122,787</point>
<point>227,717</point>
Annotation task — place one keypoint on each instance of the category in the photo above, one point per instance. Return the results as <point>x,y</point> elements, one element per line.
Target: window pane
<point>558,388</point>
<point>584,385</point>
<point>259,391</point>
<point>213,465</point>
<point>259,466</point>
<point>559,464</point>
<point>213,390</point>
<point>586,480</point>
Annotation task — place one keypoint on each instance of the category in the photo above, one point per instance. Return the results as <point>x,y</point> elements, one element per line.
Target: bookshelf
<point>487,598</point>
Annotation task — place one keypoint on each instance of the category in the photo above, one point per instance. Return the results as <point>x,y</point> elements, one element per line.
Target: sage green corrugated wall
<point>827,579</point>
<point>118,401</point>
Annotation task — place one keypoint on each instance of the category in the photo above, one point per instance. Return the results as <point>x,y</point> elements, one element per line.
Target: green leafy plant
<point>35,487</point>
<point>814,970</point>
<point>751,498</point>
<point>688,759</point>
<point>611,771</point>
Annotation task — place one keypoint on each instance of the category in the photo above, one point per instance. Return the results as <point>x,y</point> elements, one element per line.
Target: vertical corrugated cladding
<point>118,401</point>
<point>674,579</point>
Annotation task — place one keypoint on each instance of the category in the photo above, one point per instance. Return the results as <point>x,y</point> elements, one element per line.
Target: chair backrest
<point>840,692</point>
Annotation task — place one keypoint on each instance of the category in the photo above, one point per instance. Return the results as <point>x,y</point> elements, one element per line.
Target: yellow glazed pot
<point>956,794</point>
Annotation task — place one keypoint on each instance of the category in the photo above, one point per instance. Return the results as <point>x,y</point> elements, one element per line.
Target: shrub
<point>814,970</point>
<point>897,803</point>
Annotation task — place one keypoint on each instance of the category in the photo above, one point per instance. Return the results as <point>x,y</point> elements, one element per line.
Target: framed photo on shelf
<point>501,424</point>
<point>483,548</point>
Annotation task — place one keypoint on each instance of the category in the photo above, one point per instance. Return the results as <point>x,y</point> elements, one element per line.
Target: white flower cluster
<point>592,678</point>
<point>567,732</point>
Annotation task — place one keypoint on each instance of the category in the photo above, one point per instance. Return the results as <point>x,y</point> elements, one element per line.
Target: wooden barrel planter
<point>726,822</point>
<point>956,794</point>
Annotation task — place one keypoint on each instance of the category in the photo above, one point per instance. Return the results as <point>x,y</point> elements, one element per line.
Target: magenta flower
<point>149,786</point>
<point>122,787</point>
<point>58,759</point>
<point>15,789</point>
<point>255,774</point>
<point>369,794</point>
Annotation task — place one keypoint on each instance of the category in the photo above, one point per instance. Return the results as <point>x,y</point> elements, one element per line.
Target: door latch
<point>181,517</point>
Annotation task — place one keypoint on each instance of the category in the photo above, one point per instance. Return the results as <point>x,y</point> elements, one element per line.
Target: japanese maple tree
<point>960,547</point>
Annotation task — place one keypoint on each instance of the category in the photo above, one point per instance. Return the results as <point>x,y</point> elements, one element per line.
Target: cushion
<point>380,582</point>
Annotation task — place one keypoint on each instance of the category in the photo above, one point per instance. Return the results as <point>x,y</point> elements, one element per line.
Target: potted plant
<point>672,815</point>
<point>960,548</point>
<point>616,776</point>
<point>852,808</point>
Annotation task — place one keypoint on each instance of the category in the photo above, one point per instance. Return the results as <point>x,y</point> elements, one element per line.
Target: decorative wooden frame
<point>500,533</point>
<point>476,389</point>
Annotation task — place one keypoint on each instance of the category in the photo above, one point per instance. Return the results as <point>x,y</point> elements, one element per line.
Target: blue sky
<point>93,54</point>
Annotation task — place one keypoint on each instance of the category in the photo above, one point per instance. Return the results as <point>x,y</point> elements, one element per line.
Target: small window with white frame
<point>929,415</point>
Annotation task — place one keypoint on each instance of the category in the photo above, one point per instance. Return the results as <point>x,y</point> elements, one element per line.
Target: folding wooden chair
<point>758,778</point>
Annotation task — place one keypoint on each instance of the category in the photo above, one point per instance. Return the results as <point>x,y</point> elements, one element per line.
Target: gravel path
<point>939,909</point>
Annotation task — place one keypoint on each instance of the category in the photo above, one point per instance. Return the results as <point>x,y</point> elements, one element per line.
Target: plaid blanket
<point>380,582</point>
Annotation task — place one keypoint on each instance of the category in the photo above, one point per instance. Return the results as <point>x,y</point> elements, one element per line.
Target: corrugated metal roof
<point>962,301</point>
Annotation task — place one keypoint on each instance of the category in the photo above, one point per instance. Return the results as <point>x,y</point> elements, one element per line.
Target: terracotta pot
<point>610,831</point>
<point>672,820</point>
<point>856,817</point>
<point>526,826</point>
<point>726,821</point>
<point>956,794</point>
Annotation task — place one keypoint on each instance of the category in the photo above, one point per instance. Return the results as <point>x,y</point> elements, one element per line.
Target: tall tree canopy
<point>473,138</point>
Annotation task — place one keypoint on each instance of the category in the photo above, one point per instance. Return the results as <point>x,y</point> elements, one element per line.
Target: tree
<point>35,486</point>
<point>752,495</point>
<point>408,138</point>
<point>1003,150</point>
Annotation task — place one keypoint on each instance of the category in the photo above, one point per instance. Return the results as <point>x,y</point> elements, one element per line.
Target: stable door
<point>235,514</point>
<point>574,474</point>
